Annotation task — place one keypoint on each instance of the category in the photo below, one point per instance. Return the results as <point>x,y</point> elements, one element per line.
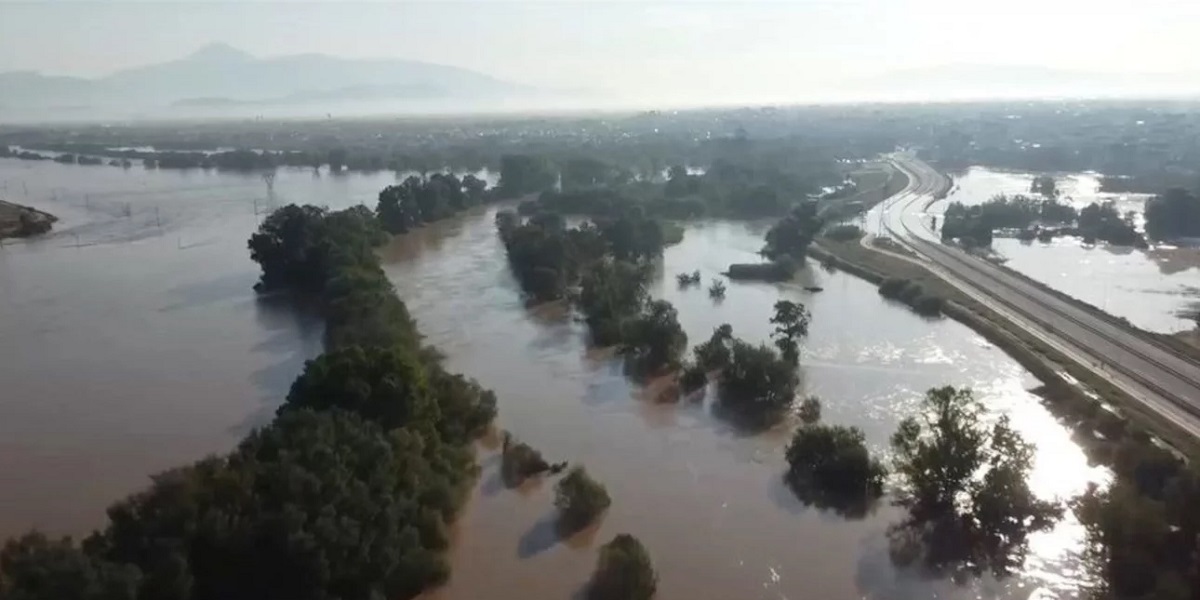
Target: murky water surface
<point>131,342</point>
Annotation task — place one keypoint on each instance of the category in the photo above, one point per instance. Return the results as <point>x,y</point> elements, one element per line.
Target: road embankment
<point>1102,415</point>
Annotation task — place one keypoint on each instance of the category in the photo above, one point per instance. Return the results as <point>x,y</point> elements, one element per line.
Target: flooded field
<point>1155,289</point>
<point>132,342</point>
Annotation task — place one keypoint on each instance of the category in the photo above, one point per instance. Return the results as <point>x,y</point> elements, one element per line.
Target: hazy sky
<point>768,48</point>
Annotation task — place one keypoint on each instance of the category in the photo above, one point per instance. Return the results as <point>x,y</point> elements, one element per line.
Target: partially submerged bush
<point>579,500</point>
<point>623,572</point>
<point>832,463</point>
<point>519,461</point>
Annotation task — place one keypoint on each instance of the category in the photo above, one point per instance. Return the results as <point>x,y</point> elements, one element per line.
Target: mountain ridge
<point>223,71</point>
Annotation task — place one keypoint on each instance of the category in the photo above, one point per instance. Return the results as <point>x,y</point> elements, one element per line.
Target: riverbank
<point>1091,405</point>
<point>17,221</point>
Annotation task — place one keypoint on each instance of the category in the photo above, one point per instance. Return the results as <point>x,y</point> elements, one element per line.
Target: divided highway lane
<point>1162,380</point>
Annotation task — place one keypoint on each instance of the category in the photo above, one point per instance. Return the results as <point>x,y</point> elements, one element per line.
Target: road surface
<point>1164,381</point>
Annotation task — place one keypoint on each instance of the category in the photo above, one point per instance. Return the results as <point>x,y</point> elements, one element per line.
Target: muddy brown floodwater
<point>130,342</point>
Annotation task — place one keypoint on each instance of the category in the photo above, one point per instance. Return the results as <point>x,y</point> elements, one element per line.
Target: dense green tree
<point>612,293</point>
<point>524,174</point>
<point>791,324</point>
<point>1102,221</point>
<point>34,567</point>
<point>303,247</point>
<point>1173,214</point>
<point>315,506</point>
<point>654,339</point>
<point>1044,185</point>
<point>623,571</point>
<point>466,408</point>
<point>417,200</point>
<point>540,259</point>
<point>579,499</point>
<point>939,452</point>
<point>965,485</point>
<point>287,248</point>
<point>717,352</point>
<point>519,461</point>
<point>758,386</point>
<point>633,237</point>
<point>792,235</point>
<point>973,225</point>
<point>397,208</point>
<point>830,466</point>
<point>810,410</point>
<point>384,385</point>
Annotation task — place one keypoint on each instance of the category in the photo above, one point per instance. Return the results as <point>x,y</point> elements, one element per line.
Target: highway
<point>1162,380</point>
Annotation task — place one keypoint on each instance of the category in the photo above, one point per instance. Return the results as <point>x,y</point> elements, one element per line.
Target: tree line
<point>974,226</point>
<point>348,493</point>
<point>734,186</point>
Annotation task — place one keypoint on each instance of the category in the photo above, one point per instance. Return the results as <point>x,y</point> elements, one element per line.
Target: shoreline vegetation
<point>349,492</point>
<point>18,221</point>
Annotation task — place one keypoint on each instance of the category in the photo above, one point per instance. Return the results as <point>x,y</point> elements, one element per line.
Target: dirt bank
<point>23,221</point>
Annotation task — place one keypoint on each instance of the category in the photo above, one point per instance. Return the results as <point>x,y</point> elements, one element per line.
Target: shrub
<point>833,462</point>
<point>810,410</point>
<point>579,499</point>
<point>758,386</point>
<point>519,461</point>
<point>623,572</point>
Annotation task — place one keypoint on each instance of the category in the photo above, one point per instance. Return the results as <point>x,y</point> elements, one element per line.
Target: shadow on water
<point>232,286</point>
<point>828,504</point>
<point>548,532</point>
<point>543,536</point>
<point>296,336</point>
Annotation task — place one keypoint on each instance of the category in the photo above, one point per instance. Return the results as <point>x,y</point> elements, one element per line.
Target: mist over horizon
<point>184,60</point>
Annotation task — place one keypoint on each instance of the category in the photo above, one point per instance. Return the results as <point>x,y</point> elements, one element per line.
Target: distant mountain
<point>221,74</point>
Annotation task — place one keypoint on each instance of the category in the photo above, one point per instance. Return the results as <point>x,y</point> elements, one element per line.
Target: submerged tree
<point>655,340</point>
<point>965,485</point>
<point>579,500</point>
<point>623,571</point>
<point>758,386</point>
<point>791,324</point>
<point>829,466</point>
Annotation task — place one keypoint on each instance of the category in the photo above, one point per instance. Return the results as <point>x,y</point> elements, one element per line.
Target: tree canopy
<point>579,499</point>
<point>792,235</point>
<point>758,386</point>
<point>1172,215</point>
<point>417,201</point>
<point>623,571</point>
<point>316,505</point>
<point>35,567</point>
<point>524,174</point>
<point>829,466</point>
<point>791,325</point>
<point>966,487</point>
